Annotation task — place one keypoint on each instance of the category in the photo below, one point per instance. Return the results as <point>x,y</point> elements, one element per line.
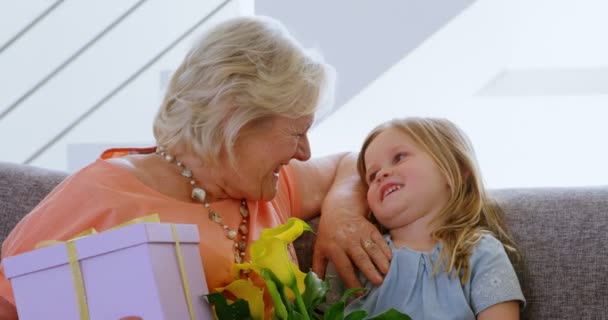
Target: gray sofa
<point>562,234</point>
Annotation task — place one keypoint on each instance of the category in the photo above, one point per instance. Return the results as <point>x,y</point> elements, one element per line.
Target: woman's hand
<point>347,239</point>
<point>7,310</point>
<point>345,236</point>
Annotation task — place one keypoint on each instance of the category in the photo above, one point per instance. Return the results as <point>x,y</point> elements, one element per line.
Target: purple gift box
<point>132,270</point>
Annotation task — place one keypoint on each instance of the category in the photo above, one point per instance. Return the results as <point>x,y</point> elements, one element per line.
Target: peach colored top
<point>103,195</point>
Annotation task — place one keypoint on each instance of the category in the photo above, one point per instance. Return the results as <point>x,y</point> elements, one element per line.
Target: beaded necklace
<point>199,194</point>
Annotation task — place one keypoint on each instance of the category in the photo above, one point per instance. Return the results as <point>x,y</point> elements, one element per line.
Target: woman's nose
<point>303,149</point>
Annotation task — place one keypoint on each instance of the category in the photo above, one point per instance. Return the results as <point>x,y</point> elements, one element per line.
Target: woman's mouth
<point>277,171</point>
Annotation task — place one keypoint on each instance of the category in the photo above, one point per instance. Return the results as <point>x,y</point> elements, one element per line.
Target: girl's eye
<point>399,156</point>
<point>371,177</point>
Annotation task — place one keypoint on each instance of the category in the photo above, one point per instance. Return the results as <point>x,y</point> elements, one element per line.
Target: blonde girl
<point>448,240</point>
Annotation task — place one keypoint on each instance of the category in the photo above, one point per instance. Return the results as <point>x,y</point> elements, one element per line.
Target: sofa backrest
<point>21,188</point>
<point>562,234</point>
<point>562,237</point>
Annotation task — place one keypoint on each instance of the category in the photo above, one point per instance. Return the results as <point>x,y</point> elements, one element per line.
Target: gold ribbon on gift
<point>83,308</point>
<point>182,271</point>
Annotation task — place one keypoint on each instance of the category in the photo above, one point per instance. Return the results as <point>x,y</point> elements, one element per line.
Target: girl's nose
<point>383,174</point>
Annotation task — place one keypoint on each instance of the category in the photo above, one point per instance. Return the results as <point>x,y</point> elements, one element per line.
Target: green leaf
<point>296,316</point>
<point>391,314</point>
<point>336,310</point>
<point>356,315</point>
<point>317,315</point>
<point>350,292</point>
<point>315,292</point>
<point>224,311</point>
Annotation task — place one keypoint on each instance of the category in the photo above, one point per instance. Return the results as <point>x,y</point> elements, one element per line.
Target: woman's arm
<point>331,185</point>
<point>315,177</point>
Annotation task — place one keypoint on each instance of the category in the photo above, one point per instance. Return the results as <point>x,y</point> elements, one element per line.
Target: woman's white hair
<point>243,70</point>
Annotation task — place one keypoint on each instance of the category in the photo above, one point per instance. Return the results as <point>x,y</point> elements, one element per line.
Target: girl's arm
<point>502,311</point>
<point>495,289</point>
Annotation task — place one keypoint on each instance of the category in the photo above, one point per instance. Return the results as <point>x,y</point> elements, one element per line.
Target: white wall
<point>521,140</point>
<point>468,71</point>
<point>127,117</point>
<point>362,39</point>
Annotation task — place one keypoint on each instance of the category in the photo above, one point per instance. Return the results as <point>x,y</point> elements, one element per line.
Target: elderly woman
<point>236,112</point>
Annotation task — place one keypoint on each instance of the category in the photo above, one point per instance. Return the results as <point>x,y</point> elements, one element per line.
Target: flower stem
<point>279,308</point>
<point>299,301</point>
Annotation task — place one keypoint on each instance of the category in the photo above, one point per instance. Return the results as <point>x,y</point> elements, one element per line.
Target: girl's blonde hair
<point>243,70</point>
<point>469,212</point>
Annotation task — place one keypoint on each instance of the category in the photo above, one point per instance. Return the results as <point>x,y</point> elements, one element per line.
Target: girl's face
<point>405,184</point>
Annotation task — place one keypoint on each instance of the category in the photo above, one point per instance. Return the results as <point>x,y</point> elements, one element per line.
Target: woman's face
<point>260,152</point>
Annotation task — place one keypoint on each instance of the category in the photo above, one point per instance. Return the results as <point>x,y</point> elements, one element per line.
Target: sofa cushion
<point>21,188</point>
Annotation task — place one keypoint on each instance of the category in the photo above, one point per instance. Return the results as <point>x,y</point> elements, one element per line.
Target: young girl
<point>448,241</point>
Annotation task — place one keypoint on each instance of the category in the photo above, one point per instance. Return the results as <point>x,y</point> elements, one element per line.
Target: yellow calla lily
<point>247,291</point>
<point>272,254</point>
<point>287,232</point>
<point>300,276</point>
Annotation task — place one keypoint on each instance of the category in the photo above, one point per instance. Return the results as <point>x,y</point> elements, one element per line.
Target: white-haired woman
<point>236,112</point>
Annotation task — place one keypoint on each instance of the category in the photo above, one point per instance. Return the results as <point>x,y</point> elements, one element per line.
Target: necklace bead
<point>231,234</point>
<point>199,194</point>
<point>187,173</point>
